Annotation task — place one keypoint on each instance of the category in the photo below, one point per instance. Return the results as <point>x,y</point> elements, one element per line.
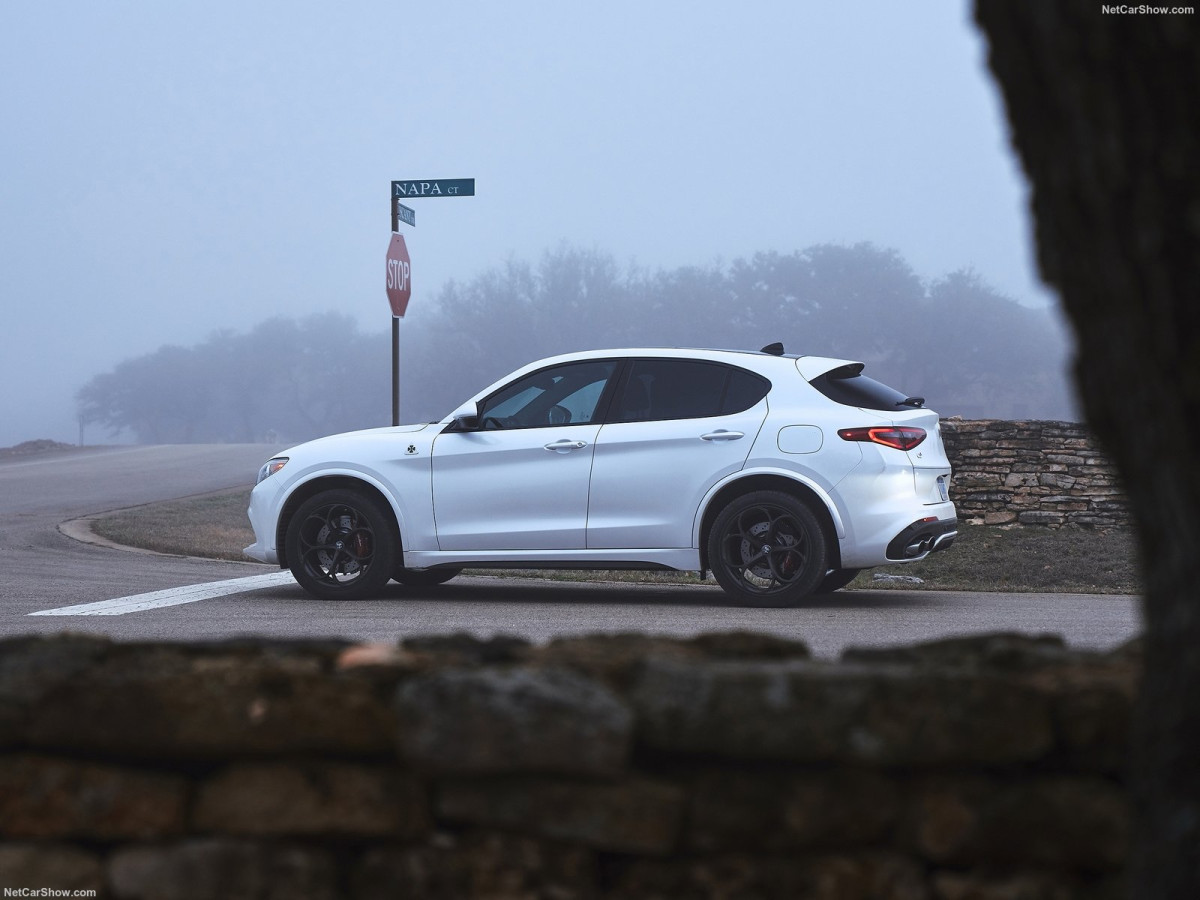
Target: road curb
<point>80,529</point>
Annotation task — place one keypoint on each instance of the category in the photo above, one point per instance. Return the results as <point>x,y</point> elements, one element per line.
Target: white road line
<point>171,597</point>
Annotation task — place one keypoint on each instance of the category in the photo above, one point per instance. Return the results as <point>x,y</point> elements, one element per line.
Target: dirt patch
<point>1028,558</point>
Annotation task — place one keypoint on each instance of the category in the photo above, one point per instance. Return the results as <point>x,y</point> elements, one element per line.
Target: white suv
<point>784,475</point>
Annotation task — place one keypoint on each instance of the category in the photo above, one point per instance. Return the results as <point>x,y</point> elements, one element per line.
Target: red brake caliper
<point>362,545</point>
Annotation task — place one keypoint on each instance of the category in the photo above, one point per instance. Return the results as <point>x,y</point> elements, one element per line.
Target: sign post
<point>399,264</point>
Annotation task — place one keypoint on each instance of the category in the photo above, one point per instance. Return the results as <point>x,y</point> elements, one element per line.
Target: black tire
<point>836,579</point>
<point>767,548</point>
<point>423,577</point>
<point>341,545</point>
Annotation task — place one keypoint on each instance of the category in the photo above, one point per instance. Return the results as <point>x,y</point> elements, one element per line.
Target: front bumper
<point>263,512</point>
<point>262,554</point>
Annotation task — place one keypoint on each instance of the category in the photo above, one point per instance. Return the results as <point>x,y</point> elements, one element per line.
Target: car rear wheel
<point>423,577</point>
<point>767,548</point>
<point>340,545</point>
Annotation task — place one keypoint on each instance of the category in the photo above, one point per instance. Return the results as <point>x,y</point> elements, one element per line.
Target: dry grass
<point>1029,558</point>
<point>1065,560</point>
<point>213,526</point>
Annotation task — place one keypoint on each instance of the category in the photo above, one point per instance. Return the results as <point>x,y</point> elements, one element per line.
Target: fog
<point>174,169</point>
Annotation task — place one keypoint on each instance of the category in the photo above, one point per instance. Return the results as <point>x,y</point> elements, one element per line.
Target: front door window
<point>563,395</point>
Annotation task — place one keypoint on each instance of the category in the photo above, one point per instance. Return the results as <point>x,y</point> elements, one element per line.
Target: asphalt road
<point>45,570</point>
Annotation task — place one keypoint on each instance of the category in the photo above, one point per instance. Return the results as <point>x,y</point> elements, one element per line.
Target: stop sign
<point>399,275</point>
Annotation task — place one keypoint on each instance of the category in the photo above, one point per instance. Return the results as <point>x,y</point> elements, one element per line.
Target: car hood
<point>334,443</point>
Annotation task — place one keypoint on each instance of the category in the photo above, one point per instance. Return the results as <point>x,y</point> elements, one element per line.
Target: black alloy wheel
<point>341,546</point>
<point>767,548</point>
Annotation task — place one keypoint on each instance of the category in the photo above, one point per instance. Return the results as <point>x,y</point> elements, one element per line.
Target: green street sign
<point>405,214</point>
<point>441,187</point>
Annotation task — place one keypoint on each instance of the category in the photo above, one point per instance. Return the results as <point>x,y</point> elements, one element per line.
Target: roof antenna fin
<point>775,349</point>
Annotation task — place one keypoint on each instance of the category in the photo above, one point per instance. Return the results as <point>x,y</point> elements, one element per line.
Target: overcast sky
<point>169,169</point>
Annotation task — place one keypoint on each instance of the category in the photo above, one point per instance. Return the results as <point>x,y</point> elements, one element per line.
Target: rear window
<point>848,386</point>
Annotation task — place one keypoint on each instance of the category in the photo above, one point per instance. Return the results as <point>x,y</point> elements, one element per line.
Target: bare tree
<point>958,342</point>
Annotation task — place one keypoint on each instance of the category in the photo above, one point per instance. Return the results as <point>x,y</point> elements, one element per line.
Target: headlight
<point>270,467</point>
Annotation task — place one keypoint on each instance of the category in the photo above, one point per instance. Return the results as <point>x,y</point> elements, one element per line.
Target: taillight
<point>899,437</point>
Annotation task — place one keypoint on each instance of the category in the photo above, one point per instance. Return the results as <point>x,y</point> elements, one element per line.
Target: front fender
<point>399,509</point>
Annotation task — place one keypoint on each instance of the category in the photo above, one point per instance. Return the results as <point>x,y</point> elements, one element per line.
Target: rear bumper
<point>922,538</point>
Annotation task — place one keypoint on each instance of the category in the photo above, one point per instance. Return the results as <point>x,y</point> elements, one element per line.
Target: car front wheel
<point>767,548</point>
<point>340,545</point>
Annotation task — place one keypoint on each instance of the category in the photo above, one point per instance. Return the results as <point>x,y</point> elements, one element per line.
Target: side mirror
<point>466,417</point>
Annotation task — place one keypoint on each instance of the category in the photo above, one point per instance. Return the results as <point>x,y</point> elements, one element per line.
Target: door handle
<point>722,435</point>
<point>564,446</point>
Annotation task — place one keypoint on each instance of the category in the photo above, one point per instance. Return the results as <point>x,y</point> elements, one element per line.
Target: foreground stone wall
<point>1032,473</point>
<point>726,766</point>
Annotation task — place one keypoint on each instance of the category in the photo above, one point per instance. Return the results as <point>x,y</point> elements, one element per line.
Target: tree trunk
<point>1105,116</point>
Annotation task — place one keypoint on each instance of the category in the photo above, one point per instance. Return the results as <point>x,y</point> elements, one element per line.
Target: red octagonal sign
<point>399,275</point>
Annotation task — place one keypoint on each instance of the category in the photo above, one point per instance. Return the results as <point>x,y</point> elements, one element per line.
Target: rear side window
<point>660,389</point>
<point>848,386</point>
<point>743,391</point>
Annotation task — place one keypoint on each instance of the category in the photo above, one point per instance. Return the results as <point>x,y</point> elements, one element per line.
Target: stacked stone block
<point>596,767</point>
<point>1032,473</point>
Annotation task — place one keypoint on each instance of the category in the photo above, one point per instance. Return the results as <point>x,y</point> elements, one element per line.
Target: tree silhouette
<point>958,342</point>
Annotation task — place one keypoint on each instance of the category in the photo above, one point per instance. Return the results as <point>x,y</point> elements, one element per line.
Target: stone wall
<point>1031,473</point>
<point>626,766</point>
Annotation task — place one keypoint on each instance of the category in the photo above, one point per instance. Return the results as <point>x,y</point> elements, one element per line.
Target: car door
<point>675,428</point>
<point>520,480</point>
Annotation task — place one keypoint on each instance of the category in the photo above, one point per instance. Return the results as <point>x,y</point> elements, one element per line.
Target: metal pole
<point>395,334</point>
<point>395,370</point>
